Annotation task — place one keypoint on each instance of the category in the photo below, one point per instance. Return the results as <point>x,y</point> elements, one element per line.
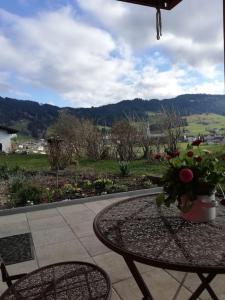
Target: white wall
<point>5,140</point>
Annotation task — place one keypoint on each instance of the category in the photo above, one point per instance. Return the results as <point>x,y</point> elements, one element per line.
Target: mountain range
<point>33,119</point>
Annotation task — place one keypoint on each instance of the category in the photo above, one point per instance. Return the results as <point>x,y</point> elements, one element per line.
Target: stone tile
<point>114,295</point>
<point>143,268</point>
<point>24,267</point>
<point>93,245</point>
<point>79,217</point>
<point>71,208</point>
<point>161,285</point>
<point>16,218</point>
<point>47,223</point>
<point>67,251</point>
<point>97,206</point>
<point>114,265</point>
<point>3,287</point>
<point>115,200</point>
<point>13,228</point>
<point>218,286</point>
<point>83,229</point>
<point>192,281</point>
<point>128,290</point>
<point>41,214</point>
<point>53,235</point>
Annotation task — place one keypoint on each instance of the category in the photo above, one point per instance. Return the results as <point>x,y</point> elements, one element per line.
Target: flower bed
<point>25,188</point>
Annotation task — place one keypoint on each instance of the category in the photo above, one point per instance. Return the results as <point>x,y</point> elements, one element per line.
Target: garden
<point>37,185</point>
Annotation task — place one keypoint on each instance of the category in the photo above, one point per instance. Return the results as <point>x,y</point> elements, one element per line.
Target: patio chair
<point>5,275</point>
<point>57,280</point>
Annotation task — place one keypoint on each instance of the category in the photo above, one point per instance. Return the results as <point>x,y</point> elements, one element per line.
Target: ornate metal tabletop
<point>138,229</point>
<point>66,281</point>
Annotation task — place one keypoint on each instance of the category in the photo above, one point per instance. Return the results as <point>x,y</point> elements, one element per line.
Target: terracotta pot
<point>202,210</point>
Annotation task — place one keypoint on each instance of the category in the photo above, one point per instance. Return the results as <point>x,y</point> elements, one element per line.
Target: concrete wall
<point>5,140</point>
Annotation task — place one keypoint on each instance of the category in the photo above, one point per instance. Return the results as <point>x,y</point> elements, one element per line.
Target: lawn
<point>31,162</point>
<point>38,162</point>
<point>202,123</point>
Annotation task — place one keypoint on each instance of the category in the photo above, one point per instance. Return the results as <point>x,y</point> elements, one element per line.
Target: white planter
<point>202,210</point>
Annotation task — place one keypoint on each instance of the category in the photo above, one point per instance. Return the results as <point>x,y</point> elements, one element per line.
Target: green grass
<point>202,123</point>
<point>31,162</point>
<point>137,167</point>
<point>38,162</point>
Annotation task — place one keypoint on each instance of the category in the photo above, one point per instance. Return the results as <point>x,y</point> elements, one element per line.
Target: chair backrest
<point>5,274</point>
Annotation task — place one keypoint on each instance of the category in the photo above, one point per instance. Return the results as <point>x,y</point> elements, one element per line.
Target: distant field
<point>201,124</point>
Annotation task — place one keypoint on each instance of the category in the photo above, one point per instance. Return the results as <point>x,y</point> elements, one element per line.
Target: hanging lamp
<point>158,4</point>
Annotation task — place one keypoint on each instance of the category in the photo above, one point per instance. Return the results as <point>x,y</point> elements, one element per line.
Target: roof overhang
<point>162,4</point>
<point>9,130</point>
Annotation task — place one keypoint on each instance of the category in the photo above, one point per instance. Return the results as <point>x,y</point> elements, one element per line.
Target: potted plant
<point>191,181</point>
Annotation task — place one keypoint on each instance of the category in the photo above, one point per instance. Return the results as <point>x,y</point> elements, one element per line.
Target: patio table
<point>64,281</point>
<point>140,231</point>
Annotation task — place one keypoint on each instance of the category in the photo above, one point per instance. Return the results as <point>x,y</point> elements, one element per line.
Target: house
<point>6,134</point>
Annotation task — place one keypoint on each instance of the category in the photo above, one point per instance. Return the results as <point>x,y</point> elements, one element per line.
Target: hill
<point>33,119</point>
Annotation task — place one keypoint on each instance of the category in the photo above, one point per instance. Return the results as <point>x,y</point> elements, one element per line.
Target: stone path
<point>66,233</point>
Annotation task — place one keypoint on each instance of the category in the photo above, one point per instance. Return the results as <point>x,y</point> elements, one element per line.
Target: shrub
<point>87,185</point>
<point>27,194</point>
<point>116,188</point>
<point>4,172</point>
<point>124,168</point>
<point>100,184</point>
<point>16,184</point>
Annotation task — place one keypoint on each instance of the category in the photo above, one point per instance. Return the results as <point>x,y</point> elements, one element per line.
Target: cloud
<point>108,54</point>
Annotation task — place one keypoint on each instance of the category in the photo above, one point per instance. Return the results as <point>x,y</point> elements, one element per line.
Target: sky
<point>84,53</point>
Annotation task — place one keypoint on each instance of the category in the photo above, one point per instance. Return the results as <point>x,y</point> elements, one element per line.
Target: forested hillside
<point>32,118</point>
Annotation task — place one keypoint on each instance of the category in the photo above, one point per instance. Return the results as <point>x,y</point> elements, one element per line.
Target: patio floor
<point>66,233</point>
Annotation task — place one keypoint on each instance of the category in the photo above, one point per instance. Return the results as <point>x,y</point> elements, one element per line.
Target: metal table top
<point>64,281</point>
<point>138,229</point>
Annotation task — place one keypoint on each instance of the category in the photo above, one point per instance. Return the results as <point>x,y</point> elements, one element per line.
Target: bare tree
<point>124,138</point>
<point>172,126</point>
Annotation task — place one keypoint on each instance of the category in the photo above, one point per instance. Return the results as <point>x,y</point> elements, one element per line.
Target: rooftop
<point>65,233</point>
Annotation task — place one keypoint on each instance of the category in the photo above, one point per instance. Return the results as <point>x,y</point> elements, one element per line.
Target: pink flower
<point>157,156</point>
<point>186,175</point>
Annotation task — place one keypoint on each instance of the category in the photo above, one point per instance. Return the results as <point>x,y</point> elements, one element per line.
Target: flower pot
<point>202,210</point>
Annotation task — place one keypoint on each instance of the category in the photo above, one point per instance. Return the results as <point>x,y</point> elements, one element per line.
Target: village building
<point>6,135</point>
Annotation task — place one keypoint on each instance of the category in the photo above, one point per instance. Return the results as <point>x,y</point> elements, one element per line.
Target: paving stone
<point>67,251</point>
<point>161,285</point>
<point>13,228</point>
<point>93,245</point>
<point>114,265</point>
<point>115,296</point>
<point>47,223</point>
<point>53,235</point>
<point>80,217</point>
<point>24,267</point>
<point>16,218</point>
<point>192,281</point>
<point>41,214</point>
<point>83,229</point>
<point>97,206</point>
<point>71,208</point>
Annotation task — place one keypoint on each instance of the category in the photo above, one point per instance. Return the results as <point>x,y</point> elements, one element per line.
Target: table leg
<point>204,285</point>
<point>138,278</point>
